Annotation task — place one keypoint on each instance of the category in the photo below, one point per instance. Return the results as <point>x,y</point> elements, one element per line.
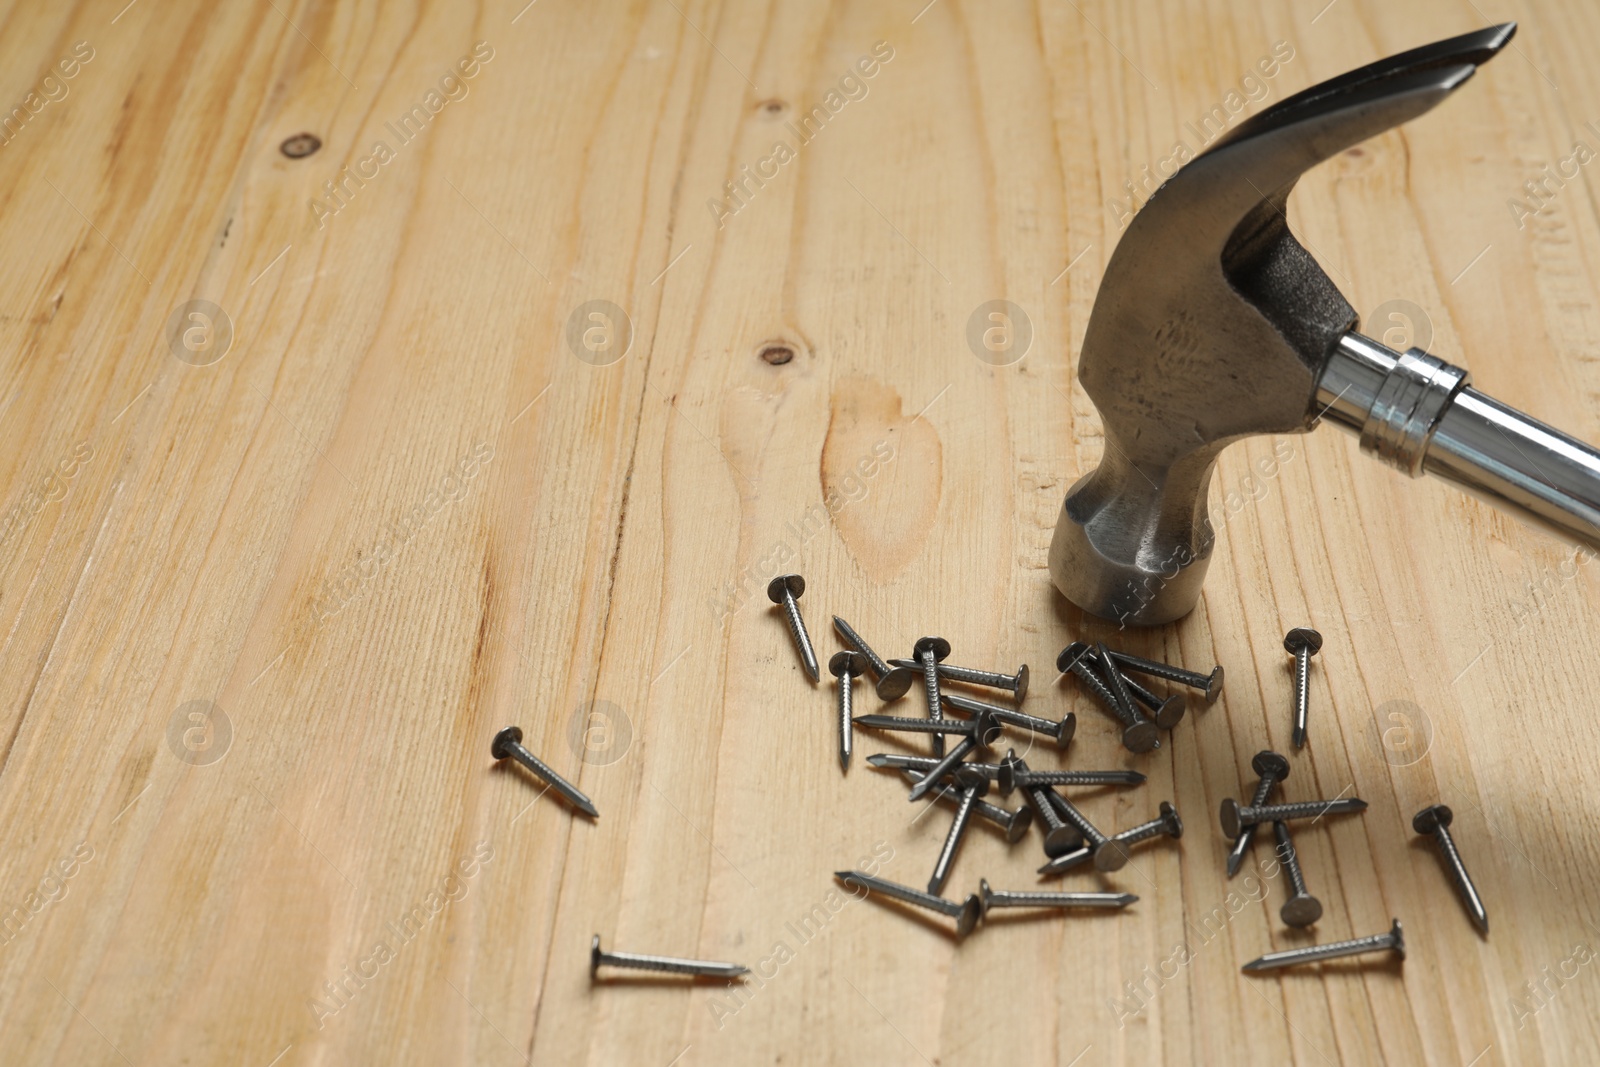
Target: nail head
<point>1231,825</point>
<point>501,748</point>
<point>1431,818</point>
<point>896,683</point>
<point>1302,637</point>
<point>1302,909</point>
<point>852,663</point>
<point>793,583</point>
<point>1269,764</point>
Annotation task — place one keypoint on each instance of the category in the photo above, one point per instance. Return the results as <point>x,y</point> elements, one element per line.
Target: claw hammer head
<point>1212,324</point>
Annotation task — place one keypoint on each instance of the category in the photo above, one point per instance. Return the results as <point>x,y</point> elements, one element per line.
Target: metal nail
<point>1059,732</point>
<point>966,913</point>
<point>1139,734</point>
<point>1303,643</point>
<point>1393,941</point>
<point>1236,816</point>
<point>1014,823</point>
<point>1015,684</point>
<point>1115,681</point>
<point>785,590</point>
<point>921,764</point>
<point>987,731</point>
<point>508,744</point>
<point>1065,862</point>
<point>893,682</point>
<point>929,651</point>
<point>944,766</point>
<point>1271,769</point>
<point>1301,909</point>
<point>846,666</point>
<point>1210,684</point>
<point>1166,823</point>
<point>1003,898</point>
<point>668,964</point>
<point>1435,820</point>
<point>1013,773</point>
<point>1107,856</point>
<point>1082,778</point>
<point>992,771</point>
<point>1165,712</point>
<point>973,786</point>
<point>1059,837</point>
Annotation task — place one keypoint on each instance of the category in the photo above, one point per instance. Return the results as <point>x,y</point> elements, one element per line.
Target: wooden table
<point>502,405</point>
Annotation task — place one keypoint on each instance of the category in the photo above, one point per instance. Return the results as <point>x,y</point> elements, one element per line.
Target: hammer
<point>1213,324</point>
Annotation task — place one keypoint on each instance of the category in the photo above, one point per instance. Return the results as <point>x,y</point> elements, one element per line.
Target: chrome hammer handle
<point>1418,414</point>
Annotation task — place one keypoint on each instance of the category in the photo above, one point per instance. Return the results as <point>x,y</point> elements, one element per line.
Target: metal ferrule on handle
<point>1419,415</point>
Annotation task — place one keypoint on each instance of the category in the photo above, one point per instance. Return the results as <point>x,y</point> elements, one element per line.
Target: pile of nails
<point>1104,674</point>
<point>1301,909</point>
<point>960,778</point>
<point>1239,823</point>
<point>958,772</point>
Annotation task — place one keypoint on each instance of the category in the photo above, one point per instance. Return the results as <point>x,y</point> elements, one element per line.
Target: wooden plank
<point>494,441</point>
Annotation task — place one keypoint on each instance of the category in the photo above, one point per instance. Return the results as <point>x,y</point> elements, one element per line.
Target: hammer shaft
<point>1418,414</point>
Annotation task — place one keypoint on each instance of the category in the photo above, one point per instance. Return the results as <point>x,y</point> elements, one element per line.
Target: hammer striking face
<point>1213,323</point>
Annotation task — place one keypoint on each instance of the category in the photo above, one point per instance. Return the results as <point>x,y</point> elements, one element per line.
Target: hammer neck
<point>1392,400</point>
<point>1352,379</point>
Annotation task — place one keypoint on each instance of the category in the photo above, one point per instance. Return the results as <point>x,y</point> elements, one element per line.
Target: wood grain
<point>408,505</point>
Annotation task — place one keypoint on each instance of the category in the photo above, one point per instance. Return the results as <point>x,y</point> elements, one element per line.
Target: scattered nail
<point>1393,941</point>
<point>508,744</point>
<point>665,964</point>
